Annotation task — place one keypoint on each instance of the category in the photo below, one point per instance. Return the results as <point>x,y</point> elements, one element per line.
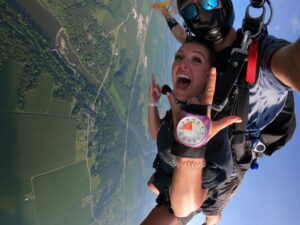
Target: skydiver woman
<point>184,175</point>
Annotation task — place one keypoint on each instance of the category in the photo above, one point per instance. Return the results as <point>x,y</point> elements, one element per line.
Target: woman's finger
<point>218,125</point>
<point>153,79</point>
<point>208,95</point>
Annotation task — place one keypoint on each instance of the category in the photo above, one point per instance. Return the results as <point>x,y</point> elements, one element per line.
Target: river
<point>42,17</point>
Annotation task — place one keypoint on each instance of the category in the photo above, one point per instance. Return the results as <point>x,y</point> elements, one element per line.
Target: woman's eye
<point>197,60</point>
<point>178,57</point>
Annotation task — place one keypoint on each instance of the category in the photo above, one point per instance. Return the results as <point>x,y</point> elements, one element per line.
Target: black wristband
<point>195,109</point>
<point>172,23</point>
<point>187,152</point>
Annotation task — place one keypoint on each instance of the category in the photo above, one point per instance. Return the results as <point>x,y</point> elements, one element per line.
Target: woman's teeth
<point>183,81</point>
<point>183,76</point>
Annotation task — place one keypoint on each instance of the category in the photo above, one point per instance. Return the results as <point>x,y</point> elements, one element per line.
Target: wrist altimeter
<point>192,130</point>
<point>191,135</point>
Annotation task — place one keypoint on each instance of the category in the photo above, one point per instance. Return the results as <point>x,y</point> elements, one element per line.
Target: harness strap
<point>243,157</point>
<point>252,61</point>
<point>231,75</point>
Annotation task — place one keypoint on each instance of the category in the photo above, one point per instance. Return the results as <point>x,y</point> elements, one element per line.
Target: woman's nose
<point>183,65</point>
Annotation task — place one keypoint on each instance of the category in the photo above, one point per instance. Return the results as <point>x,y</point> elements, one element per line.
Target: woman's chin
<point>181,98</point>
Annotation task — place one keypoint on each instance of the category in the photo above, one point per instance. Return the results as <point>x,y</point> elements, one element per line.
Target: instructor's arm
<point>178,31</point>
<point>285,65</point>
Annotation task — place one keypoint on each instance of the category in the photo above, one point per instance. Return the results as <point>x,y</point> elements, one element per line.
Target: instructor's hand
<point>159,7</point>
<point>207,99</point>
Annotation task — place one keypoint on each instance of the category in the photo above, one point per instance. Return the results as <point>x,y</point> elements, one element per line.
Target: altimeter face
<point>192,130</point>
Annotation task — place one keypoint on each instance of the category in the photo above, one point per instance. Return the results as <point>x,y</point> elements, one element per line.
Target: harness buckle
<point>219,107</point>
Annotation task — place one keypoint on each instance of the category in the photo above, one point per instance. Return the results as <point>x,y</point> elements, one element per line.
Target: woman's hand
<point>154,91</point>
<point>207,99</point>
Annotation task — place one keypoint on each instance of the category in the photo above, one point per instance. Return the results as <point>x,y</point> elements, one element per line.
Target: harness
<point>253,30</point>
<point>238,80</point>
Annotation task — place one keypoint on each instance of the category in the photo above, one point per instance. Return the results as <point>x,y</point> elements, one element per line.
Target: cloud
<point>277,28</point>
<point>295,24</point>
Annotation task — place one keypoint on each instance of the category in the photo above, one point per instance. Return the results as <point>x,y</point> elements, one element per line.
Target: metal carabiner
<point>253,24</point>
<point>257,3</point>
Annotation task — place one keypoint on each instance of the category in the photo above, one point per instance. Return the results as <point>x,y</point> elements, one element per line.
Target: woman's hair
<point>206,44</point>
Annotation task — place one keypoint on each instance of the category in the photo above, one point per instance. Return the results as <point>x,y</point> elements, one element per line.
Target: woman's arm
<point>186,193</point>
<point>153,116</point>
<point>153,120</point>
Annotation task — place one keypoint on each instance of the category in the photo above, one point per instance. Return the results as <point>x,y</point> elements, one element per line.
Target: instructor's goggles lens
<point>190,11</point>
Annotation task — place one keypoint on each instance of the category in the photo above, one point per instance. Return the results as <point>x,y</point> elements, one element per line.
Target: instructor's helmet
<point>210,20</point>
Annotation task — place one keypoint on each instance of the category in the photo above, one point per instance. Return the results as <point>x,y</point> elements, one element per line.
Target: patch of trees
<point>23,44</point>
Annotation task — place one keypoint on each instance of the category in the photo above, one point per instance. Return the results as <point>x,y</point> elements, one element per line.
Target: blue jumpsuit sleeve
<point>268,95</point>
<point>269,46</point>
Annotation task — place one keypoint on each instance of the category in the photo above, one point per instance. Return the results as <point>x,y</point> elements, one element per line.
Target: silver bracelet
<point>152,104</point>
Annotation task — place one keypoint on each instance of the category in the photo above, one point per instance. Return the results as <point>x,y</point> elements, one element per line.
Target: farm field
<point>61,196</point>
<point>34,144</point>
<point>37,101</point>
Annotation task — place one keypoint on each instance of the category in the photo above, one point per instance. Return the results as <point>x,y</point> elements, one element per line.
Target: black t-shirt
<point>218,156</point>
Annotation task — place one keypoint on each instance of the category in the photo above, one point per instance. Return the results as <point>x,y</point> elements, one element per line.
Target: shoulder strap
<point>233,70</point>
<point>242,157</point>
<point>231,75</point>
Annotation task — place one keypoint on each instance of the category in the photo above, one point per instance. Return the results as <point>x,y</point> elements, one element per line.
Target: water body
<point>42,17</point>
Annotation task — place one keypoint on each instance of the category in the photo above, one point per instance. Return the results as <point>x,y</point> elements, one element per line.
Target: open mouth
<point>183,81</point>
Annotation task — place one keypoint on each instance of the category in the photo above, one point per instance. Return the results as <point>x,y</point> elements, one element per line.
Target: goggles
<point>190,9</point>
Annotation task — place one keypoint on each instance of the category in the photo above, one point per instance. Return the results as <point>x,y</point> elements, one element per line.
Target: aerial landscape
<point>74,77</point>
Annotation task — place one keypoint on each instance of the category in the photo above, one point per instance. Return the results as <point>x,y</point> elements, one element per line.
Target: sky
<point>269,195</point>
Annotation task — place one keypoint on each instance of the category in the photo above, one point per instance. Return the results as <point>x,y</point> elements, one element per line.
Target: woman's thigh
<point>160,216</point>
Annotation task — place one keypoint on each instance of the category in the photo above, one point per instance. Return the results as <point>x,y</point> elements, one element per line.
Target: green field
<point>116,96</point>
<point>132,180</point>
<point>59,196</point>
<point>99,15</point>
<point>37,101</point>
<point>123,71</point>
<point>126,35</point>
<point>31,144</point>
<point>59,107</point>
